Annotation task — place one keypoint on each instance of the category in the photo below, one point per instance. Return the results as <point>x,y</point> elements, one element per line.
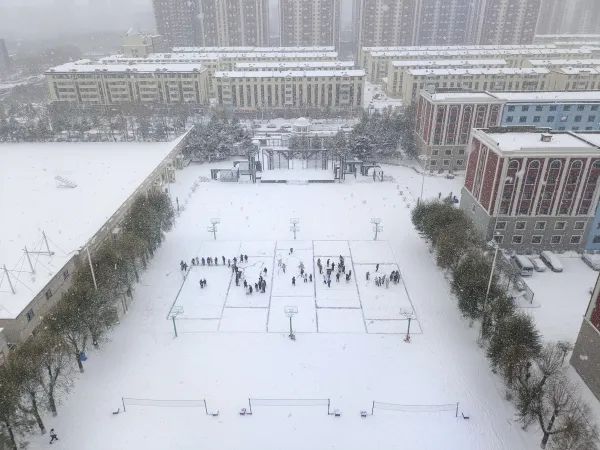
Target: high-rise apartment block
<point>309,22</point>
<point>568,16</point>
<point>445,22</point>
<point>213,23</point>
<point>4,59</point>
<point>504,21</point>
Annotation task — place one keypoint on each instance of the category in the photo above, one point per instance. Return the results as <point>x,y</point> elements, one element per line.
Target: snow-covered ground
<point>248,354</point>
<point>375,98</point>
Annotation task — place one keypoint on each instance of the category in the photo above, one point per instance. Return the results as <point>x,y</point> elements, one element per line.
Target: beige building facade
<point>325,89</point>
<point>309,22</point>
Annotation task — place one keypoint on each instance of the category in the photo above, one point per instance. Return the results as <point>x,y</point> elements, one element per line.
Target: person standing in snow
<point>53,436</point>
<point>293,281</point>
<point>367,276</point>
<point>376,267</point>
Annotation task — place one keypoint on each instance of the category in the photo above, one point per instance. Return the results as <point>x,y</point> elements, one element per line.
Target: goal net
<point>446,407</point>
<point>289,402</point>
<point>165,403</point>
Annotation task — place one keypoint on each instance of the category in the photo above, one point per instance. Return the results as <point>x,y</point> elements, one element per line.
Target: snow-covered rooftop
<point>456,47</point>
<point>290,73</point>
<point>79,67</point>
<point>484,52</point>
<point>449,62</point>
<point>33,201</point>
<point>549,96</point>
<point>578,70</point>
<point>481,71</point>
<point>462,96</point>
<point>253,49</point>
<point>565,62</point>
<point>294,64</point>
<point>526,142</point>
<point>593,138</point>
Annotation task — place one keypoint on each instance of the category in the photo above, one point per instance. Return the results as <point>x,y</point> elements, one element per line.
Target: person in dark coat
<point>53,436</point>
<point>310,277</point>
<point>367,276</point>
<point>203,261</point>
<point>223,260</point>
<point>216,260</point>
<point>245,283</point>
<point>376,267</point>
<point>337,277</point>
<point>293,281</point>
<point>328,282</point>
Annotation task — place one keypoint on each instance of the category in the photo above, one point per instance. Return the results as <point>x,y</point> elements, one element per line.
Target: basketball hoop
<point>291,311</point>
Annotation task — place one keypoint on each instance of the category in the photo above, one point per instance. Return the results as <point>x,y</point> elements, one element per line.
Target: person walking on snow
<point>53,436</point>
<point>376,267</point>
<point>293,281</point>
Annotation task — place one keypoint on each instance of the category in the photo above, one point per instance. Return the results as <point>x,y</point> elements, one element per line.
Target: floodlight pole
<point>29,259</point>
<point>46,241</point>
<point>489,286</point>
<point>291,336</point>
<point>87,249</point>
<point>12,288</point>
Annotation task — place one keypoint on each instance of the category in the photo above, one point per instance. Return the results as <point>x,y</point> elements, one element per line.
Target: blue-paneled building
<point>559,111</point>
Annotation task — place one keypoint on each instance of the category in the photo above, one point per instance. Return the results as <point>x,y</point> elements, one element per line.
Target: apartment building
<point>527,79</point>
<point>386,22</point>
<point>178,21</point>
<point>309,22</point>
<point>532,190</point>
<point>300,89</point>
<point>376,61</point>
<point>398,71</point>
<point>138,45</point>
<point>213,22</point>
<point>443,22</point>
<point>443,125</point>
<point>505,21</point>
<point>4,59</point>
<point>586,354</point>
<point>225,23</point>
<point>560,63</point>
<point>103,85</point>
<point>570,16</point>
<point>294,65</point>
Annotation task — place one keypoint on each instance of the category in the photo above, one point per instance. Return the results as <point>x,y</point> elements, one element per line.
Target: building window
<point>540,225</point>
<point>29,315</point>
<point>539,108</point>
<point>596,239</point>
<point>501,225</point>
<point>594,108</point>
<point>550,119</point>
<point>524,108</point>
<point>511,108</point>
<point>461,151</point>
<point>520,225</point>
<point>499,238</point>
<point>567,108</point>
<point>433,163</point>
<point>577,118</point>
<point>460,162</point>
<point>448,152</point>
<point>580,107</point>
<point>537,239</point>
<point>48,294</point>
<point>552,107</point>
<point>560,225</point>
<point>517,239</point>
<point>435,152</point>
<point>579,226</point>
<point>536,118</point>
<point>555,240</point>
<point>591,118</point>
<point>575,239</point>
<point>446,162</point>
<point>522,119</point>
<point>509,119</point>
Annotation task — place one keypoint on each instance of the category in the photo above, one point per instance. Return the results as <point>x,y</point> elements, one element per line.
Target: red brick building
<point>533,190</point>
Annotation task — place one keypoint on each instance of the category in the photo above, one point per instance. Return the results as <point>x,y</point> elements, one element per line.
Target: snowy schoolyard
<point>349,349</point>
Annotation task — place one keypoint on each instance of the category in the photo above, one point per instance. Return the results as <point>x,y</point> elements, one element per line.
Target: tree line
<point>532,370</point>
<point>37,373</point>
<point>380,135</point>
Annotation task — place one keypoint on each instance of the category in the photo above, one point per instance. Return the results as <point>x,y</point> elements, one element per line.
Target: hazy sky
<point>49,18</point>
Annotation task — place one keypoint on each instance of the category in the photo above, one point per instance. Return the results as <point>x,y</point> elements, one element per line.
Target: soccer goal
<point>447,407</point>
<point>163,403</point>
<point>253,403</point>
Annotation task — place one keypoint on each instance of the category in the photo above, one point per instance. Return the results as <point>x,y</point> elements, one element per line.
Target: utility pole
<point>91,267</point>
<point>494,243</point>
<point>294,227</point>
<point>213,228</point>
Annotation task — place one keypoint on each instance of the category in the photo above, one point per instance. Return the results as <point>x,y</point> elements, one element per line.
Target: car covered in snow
<point>592,260</point>
<point>538,264</point>
<point>552,261</point>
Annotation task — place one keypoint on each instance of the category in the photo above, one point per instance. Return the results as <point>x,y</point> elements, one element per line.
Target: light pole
<point>377,227</point>
<point>291,311</point>
<point>213,228</point>
<point>294,227</point>
<point>176,311</point>
<point>423,158</point>
<point>409,316</point>
<point>493,243</point>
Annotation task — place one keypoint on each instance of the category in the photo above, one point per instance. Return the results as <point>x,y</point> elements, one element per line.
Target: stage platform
<point>297,176</point>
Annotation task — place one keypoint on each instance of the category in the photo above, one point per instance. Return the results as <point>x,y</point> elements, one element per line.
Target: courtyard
<point>349,350</point>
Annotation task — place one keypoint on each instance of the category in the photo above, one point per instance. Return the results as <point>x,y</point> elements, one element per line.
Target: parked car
<point>538,264</point>
<point>592,260</point>
<point>552,261</point>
